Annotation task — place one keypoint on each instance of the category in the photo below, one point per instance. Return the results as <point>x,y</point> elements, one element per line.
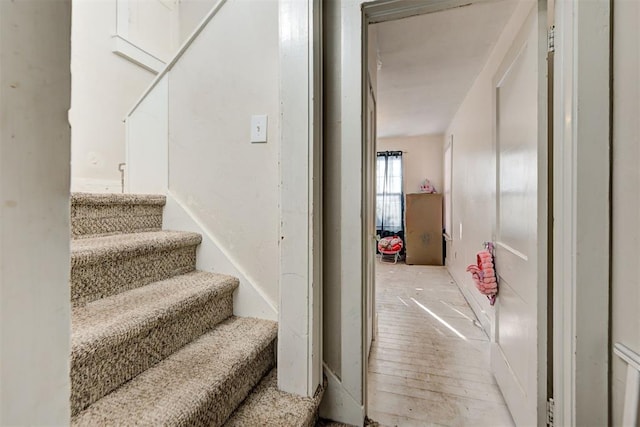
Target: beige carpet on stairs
<point>119,337</point>
<point>200,384</point>
<point>268,406</point>
<point>154,341</point>
<point>107,265</point>
<point>99,214</point>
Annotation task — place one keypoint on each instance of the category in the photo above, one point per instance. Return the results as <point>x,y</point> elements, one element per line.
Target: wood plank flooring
<point>429,364</point>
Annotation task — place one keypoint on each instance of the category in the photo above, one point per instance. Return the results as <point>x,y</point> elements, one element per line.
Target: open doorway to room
<point>441,349</point>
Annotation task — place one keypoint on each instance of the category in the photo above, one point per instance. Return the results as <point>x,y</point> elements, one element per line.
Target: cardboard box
<point>423,229</point>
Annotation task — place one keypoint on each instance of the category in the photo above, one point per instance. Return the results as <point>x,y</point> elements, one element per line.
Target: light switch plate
<point>259,128</point>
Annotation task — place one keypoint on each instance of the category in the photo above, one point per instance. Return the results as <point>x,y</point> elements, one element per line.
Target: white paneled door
<point>518,355</point>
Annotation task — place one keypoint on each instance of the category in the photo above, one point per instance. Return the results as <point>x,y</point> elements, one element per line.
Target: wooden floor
<point>429,364</point>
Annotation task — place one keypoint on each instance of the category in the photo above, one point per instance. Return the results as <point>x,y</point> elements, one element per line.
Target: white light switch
<point>259,128</point>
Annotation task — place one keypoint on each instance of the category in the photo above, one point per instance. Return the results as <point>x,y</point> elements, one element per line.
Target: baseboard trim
<point>485,320</point>
<point>90,185</point>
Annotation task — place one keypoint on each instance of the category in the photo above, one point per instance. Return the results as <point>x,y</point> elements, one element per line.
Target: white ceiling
<point>427,64</point>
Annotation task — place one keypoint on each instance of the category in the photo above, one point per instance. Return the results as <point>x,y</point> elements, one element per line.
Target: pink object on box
<point>427,187</point>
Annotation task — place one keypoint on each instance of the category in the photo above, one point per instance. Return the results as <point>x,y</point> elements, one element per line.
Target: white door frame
<point>581,212</point>
<point>345,399</point>
<point>581,188</point>
<point>369,242</point>
<point>300,301</point>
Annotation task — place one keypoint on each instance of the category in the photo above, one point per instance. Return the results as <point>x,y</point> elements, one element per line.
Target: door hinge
<point>551,35</point>
<point>550,411</point>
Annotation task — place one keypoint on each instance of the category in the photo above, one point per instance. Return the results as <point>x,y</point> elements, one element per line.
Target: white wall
<point>191,13</point>
<point>151,25</point>
<point>229,184</point>
<point>105,86</point>
<point>35,83</point>
<point>422,158</point>
<point>474,171</point>
<point>147,148</point>
<point>625,292</point>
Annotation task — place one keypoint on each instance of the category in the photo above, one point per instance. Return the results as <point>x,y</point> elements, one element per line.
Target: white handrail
<point>628,355</point>
<point>632,391</point>
<point>178,54</point>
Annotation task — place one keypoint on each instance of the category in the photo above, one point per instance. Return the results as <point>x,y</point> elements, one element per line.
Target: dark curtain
<point>389,194</point>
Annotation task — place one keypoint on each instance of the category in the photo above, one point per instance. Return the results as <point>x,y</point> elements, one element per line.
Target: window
<point>389,194</point>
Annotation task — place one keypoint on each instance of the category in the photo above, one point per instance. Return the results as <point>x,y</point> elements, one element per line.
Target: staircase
<point>154,341</point>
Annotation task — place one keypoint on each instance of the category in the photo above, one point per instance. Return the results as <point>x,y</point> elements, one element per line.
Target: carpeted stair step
<point>268,406</point>
<point>199,385</point>
<point>100,214</point>
<point>107,265</point>
<point>116,338</point>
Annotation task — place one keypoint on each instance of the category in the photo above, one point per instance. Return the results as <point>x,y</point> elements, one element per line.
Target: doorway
<point>498,190</point>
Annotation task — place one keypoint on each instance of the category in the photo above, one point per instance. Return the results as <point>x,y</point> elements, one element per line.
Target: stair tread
<point>268,406</point>
<point>117,199</point>
<point>170,391</point>
<point>113,318</point>
<point>91,249</point>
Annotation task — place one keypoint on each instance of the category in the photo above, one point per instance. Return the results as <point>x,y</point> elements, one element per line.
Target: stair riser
<point>93,281</point>
<point>268,406</point>
<point>199,385</point>
<point>97,372</point>
<point>215,409</point>
<point>92,220</point>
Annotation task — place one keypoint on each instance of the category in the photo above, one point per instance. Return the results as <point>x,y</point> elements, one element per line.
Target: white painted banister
<point>632,390</point>
<point>178,54</point>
